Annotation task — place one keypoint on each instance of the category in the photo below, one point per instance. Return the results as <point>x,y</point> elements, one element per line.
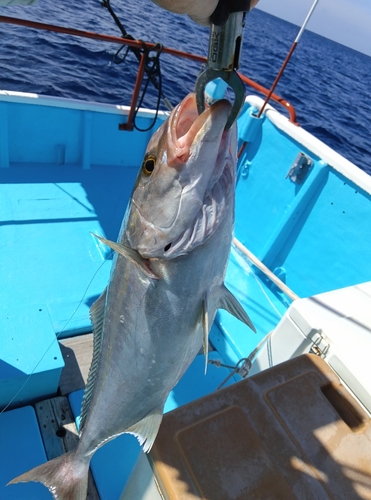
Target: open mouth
<point>201,151</point>
<point>186,130</point>
<point>186,123</point>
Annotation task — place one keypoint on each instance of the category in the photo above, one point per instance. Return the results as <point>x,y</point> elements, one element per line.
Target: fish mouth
<point>210,198</point>
<point>200,189</point>
<point>185,124</point>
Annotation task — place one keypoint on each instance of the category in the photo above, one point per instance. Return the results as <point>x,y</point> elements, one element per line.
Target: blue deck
<point>51,258</point>
<point>314,236</point>
<point>117,458</point>
<point>21,446</point>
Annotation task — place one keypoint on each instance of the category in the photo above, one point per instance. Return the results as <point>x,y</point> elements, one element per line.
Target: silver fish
<point>165,288</point>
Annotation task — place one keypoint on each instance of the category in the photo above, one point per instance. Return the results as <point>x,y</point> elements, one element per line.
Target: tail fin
<point>65,479</point>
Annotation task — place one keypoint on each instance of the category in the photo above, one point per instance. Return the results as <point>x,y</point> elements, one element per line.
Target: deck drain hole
<point>61,432</point>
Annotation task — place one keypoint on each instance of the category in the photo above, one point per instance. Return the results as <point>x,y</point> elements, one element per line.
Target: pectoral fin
<point>130,254</point>
<point>229,302</point>
<point>205,327</point>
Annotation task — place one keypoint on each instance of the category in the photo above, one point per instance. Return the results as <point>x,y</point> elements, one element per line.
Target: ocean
<point>328,83</point>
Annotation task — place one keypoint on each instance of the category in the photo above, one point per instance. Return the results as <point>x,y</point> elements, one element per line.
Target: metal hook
<point>222,62</point>
<point>232,79</point>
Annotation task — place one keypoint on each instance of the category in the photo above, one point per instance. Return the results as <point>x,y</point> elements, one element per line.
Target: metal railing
<point>140,74</point>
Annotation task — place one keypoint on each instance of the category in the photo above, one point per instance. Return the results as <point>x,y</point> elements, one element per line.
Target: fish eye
<point>148,165</point>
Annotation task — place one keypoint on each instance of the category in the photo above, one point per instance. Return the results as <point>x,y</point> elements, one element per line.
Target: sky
<point>345,21</point>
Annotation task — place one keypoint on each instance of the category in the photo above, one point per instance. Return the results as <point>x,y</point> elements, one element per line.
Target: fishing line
<point>243,366</point>
<point>198,38</point>
<point>154,75</point>
<point>56,337</point>
<point>288,57</point>
<point>284,64</point>
<point>263,291</point>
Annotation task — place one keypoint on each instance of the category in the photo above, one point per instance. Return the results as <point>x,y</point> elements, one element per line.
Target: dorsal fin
<point>97,318</point>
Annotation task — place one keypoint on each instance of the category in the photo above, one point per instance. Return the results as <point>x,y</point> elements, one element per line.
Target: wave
<point>328,84</point>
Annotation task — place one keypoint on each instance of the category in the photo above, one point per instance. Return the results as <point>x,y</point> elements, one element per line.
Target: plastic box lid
<point>292,431</point>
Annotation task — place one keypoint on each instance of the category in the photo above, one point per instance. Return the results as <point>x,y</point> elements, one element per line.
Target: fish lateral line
<point>130,254</point>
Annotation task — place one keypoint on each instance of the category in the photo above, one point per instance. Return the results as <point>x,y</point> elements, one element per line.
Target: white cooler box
<point>336,326</point>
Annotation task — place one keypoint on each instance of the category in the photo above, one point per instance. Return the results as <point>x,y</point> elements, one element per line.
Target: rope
<point>107,5</point>
<point>152,66</point>
<point>243,366</point>
<point>153,71</point>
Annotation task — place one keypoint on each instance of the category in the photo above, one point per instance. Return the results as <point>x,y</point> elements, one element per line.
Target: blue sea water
<point>328,83</point>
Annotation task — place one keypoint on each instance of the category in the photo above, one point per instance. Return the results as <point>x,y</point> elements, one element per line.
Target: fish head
<point>185,183</point>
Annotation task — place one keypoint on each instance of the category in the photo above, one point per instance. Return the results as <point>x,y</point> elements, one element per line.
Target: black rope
<point>152,66</point>
<point>119,60</point>
<point>153,71</point>
<point>107,5</point>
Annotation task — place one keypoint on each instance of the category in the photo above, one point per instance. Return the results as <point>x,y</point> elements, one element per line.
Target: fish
<point>166,284</point>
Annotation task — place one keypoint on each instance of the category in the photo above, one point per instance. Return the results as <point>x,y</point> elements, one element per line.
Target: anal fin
<point>229,302</point>
<point>146,429</point>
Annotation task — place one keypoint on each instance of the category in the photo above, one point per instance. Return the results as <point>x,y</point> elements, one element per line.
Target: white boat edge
<point>327,154</point>
<point>334,159</point>
<point>69,103</point>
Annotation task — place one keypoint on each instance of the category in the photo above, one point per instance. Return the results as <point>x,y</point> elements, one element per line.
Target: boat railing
<point>148,47</point>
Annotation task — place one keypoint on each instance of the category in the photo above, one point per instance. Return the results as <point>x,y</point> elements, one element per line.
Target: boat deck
<point>47,429</point>
<point>77,354</point>
<point>55,416</point>
<point>53,431</point>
